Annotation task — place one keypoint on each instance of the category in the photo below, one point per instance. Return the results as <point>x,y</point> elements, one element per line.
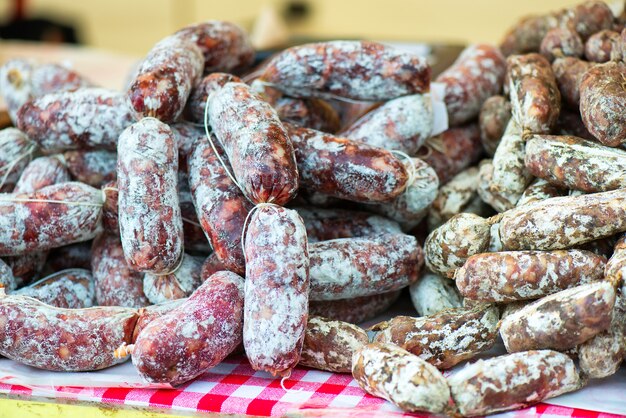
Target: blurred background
<point>133,26</point>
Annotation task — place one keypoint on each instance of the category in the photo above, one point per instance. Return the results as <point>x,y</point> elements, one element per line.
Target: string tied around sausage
<point>245,224</point>
<point>28,153</point>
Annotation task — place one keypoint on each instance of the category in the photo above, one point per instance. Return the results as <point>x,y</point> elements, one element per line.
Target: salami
<point>72,288</point>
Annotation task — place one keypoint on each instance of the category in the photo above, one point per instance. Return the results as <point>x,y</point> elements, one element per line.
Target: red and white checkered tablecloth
<point>233,387</point>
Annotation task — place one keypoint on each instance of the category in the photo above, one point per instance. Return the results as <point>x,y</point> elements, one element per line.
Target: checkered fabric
<point>234,388</point>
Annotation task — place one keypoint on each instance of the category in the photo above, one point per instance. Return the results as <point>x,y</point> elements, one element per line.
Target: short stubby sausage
<point>346,169</point>
<point>452,151</point>
<point>42,172</point>
<point>602,101</point>
<point>359,70</point>
<point>410,207</point>
<point>446,338</point>
<point>563,222</point>
<point>601,46</point>
<point>433,293</point>
<point>21,80</point>
<point>195,336</point>
<point>354,310</point>
<point>535,96</point>
<point>51,217</point>
<point>276,289</point>
<point>196,105</point>
<point>180,283</point>
<point>329,345</point>
<point>574,163</point>
<point>401,124</point>
<point>561,42</point>
<point>85,118</point>
<point>476,75</point>
<point>92,167</point>
<point>453,197</point>
<point>518,275</point>
<point>562,320</point>
<point>392,373</point>
<point>164,79</point>
<point>221,207</point>
<point>59,339</point>
<point>328,224</point>
<point>224,45</point>
<point>494,117</point>
<point>115,282</point>
<point>354,267</point>
<point>151,226</point>
<point>16,152</point>
<point>257,145</point>
<point>569,72</point>
<point>512,381</point>
<point>447,247</point>
<point>71,288</point>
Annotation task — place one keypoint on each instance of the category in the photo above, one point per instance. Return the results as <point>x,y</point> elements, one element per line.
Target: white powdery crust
<point>410,207</point>
<point>257,145</point>
<point>276,289</point>
<point>41,172</point>
<point>539,190</point>
<point>86,118</point>
<point>164,80</point>
<point>116,283</point>
<point>16,151</point>
<point>535,96</point>
<point>476,75</point>
<point>195,336</point>
<point>602,100</point>
<point>179,284</point>
<point>329,345</point>
<point>510,177</point>
<point>359,70</point>
<point>388,371</point>
<point>93,167</point>
<point>50,338</point>
<point>616,266</point>
<point>7,279</point>
<point>27,226</point>
<point>401,124</point>
<point>564,222</point>
<point>150,221</point>
<point>71,288</point>
<point>220,205</point>
<point>447,247</point>
<point>446,338</point>
<point>562,320</point>
<point>433,293</point>
<point>224,45</point>
<point>326,224</point>
<point>512,381</point>
<point>453,197</point>
<point>347,169</point>
<point>602,355</point>
<point>55,78</point>
<point>575,163</point>
<point>354,267</point>
<point>520,275</point>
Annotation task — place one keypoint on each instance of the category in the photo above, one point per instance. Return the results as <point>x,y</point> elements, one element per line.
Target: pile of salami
<point>214,208</point>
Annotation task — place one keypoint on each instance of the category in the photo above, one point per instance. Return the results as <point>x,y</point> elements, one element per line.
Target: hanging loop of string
<point>245,225</point>
<point>208,135</point>
<point>61,202</point>
<point>27,154</point>
<point>412,169</point>
<point>175,269</point>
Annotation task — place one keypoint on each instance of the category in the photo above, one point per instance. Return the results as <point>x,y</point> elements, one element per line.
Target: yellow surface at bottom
<point>15,408</point>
